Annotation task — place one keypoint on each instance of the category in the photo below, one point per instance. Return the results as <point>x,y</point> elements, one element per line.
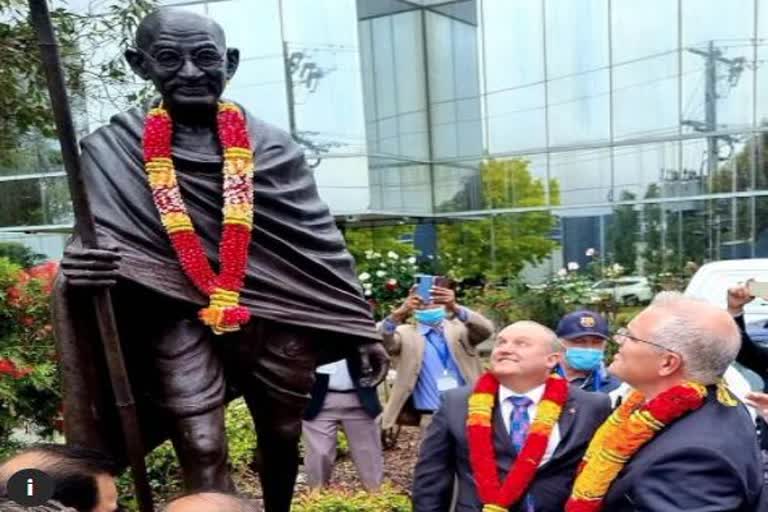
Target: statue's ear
<point>137,62</point>
<point>233,60</point>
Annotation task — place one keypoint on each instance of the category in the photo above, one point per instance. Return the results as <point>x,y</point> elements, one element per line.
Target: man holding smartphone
<point>752,356</point>
<point>435,354</point>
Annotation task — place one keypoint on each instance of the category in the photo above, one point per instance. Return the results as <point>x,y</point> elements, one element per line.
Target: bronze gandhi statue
<point>298,283</point>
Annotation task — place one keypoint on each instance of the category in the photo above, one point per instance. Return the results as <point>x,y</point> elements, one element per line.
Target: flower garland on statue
<point>630,427</point>
<point>223,313</point>
<point>496,496</point>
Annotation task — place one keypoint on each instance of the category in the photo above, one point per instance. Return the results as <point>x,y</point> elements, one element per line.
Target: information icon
<point>30,487</point>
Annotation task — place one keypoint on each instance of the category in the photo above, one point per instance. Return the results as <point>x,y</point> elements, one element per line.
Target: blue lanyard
<point>442,351</point>
<point>597,380</point>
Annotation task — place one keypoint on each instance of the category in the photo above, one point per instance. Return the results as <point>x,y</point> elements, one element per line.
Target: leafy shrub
<point>163,469</point>
<point>241,434</point>
<point>29,384</point>
<point>342,443</point>
<point>500,304</point>
<point>332,500</point>
<point>20,254</point>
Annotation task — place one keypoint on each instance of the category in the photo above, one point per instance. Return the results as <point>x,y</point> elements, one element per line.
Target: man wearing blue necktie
<point>523,359</point>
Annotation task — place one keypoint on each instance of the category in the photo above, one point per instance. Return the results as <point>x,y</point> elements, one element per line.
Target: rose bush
<point>29,384</point>
<point>386,278</point>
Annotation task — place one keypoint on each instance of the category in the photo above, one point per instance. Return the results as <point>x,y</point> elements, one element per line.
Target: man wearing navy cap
<point>583,334</point>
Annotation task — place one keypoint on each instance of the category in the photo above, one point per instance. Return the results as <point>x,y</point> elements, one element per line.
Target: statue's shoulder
<point>126,127</point>
<point>265,135</point>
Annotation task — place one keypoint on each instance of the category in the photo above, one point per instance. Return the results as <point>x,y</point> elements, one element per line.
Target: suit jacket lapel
<point>565,423</point>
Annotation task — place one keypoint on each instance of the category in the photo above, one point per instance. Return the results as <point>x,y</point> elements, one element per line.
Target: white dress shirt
<point>339,379</point>
<point>535,395</point>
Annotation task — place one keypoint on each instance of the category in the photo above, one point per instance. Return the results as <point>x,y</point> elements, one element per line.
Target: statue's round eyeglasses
<point>172,60</point>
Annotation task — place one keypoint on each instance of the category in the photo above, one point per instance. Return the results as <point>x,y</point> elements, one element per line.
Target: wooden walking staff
<point>86,229</point>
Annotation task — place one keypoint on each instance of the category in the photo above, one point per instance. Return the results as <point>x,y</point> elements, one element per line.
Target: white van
<point>712,281</point>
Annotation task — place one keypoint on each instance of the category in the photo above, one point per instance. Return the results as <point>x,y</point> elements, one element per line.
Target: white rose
<point>364,276</point>
<point>368,293</point>
<point>573,266</point>
<point>392,282</point>
<point>380,273</point>
<point>383,265</point>
<point>392,255</point>
<point>412,260</point>
<point>590,252</point>
<point>368,286</point>
<point>562,272</point>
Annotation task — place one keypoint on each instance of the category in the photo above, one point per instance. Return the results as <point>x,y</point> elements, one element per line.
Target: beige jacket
<point>406,346</point>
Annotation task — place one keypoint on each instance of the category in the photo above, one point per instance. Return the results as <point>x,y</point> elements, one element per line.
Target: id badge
<point>447,382</point>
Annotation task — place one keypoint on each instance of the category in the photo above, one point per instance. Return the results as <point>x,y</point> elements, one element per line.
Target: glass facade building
<point>640,127</point>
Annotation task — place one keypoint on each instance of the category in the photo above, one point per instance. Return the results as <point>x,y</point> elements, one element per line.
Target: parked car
<point>628,290</point>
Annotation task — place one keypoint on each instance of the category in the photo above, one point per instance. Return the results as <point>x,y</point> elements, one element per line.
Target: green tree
<point>752,155</point>
<point>622,235</point>
<point>378,238</point>
<point>672,237</point>
<point>653,255</point>
<point>499,246</point>
<point>25,115</point>
<point>20,254</point>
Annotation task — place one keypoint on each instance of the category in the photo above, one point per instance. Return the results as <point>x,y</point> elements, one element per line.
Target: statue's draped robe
<point>299,272</point>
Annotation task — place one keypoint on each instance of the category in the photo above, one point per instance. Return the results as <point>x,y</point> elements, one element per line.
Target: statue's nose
<point>189,69</point>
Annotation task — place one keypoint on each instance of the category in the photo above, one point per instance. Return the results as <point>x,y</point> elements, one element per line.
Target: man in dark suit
<point>755,357</point>
<point>707,459</point>
<point>339,399</point>
<point>522,360</point>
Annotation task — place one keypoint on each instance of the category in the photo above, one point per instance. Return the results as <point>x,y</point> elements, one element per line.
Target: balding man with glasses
<point>680,441</point>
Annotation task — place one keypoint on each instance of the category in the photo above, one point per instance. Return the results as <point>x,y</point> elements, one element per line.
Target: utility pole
<point>713,57</point>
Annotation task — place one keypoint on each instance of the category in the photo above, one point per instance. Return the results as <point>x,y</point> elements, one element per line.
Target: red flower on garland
<point>224,312</point>
<point>634,424</point>
<point>497,496</point>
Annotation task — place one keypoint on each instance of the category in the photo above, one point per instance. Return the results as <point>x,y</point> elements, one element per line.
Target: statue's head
<point>185,55</point>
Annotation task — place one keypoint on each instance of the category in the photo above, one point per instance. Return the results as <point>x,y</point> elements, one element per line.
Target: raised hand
<point>738,297</point>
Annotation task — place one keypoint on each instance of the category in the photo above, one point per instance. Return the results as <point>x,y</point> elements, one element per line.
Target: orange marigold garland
<point>629,428</point>
<point>224,313</point>
<point>496,496</point>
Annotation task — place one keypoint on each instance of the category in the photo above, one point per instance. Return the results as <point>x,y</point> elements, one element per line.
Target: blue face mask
<point>585,359</point>
<point>430,316</point>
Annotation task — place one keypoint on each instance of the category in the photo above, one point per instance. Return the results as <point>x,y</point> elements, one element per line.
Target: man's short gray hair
<point>705,336</point>
<point>7,505</point>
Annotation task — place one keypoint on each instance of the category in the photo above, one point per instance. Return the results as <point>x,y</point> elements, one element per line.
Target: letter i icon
<point>30,487</point>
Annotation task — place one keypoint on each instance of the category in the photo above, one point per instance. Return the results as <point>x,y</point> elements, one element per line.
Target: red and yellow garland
<point>224,313</point>
<point>495,496</point>
<point>630,427</point>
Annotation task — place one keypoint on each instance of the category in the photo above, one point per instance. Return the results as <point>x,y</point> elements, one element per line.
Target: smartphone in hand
<point>424,283</point>
<point>758,288</point>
